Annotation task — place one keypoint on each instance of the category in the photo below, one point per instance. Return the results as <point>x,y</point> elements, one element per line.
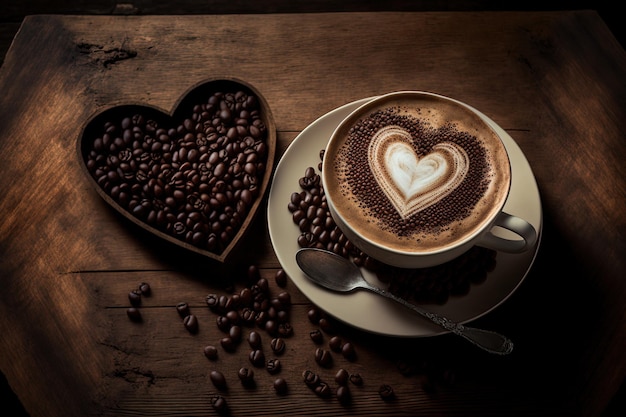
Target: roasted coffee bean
<point>273,366</point>
<point>348,351</point>
<point>326,325</point>
<point>342,376</point>
<point>335,343</point>
<point>278,345</point>
<point>145,289</point>
<point>134,314</point>
<point>254,339</point>
<point>253,274</point>
<point>323,358</point>
<point>210,352</point>
<point>246,376</point>
<point>134,297</point>
<point>223,323</point>
<point>245,296</point>
<point>323,390</point>
<point>281,278</point>
<point>191,323</point>
<point>218,379</point>
<point>182,309</point>
<point>257,358</point>
<point>247,316</point>
<point>212,300</point>
<point>343,394</point>
<point>264,285</point>
<point>386,392</point>
<point>285,299</point>
<point>311,379</point>
<point>228,344</point>
<point>280,386</point>
<point>233,317</point>
<point>235,333</point>
<point>356,379</point>
<point>317,336</point>
<point>285,329</point>
<point>314,316</point>
<point>271,327</point>
<point>219,404</point>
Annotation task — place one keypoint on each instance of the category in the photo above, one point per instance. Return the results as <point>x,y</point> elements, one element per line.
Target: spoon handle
<point>485,339</point>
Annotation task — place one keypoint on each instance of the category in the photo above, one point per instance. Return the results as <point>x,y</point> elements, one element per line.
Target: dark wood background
<point>12,14</point>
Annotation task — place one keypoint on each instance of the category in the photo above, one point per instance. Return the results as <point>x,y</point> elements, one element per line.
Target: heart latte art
<point>412,182</point>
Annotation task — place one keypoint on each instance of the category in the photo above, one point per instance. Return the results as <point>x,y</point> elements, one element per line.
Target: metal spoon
<point>337,273</point>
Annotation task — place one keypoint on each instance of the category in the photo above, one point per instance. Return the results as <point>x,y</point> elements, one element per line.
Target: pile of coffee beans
<point>317,228</point>
<point>195,181</point>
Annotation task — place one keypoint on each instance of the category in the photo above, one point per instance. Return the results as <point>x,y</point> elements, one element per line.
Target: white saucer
<point>366,310</point>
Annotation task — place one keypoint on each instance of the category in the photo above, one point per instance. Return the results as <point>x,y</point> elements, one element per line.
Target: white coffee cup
<point>415,179</point>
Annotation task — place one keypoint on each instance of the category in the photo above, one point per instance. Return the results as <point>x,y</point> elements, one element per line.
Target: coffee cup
<point>415,179</point>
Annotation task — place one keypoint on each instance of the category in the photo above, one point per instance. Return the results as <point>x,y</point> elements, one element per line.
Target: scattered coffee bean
<point>134,297</point>
<point>343,394</point>
<point>348,351</point>
<point>271,327</point>
<point>342,376</point>
<point>281,278</point>
<point>212,300</point>
<point>326,325</point>
<point>233,317</point>
<point>257,358</point>
<point>323,390</point>
<point>134,314</point>
<point>210,352</point>
<point>191,323</point>
<point>316,336</point>
<point>335,344</point>
<point>235,333</point>
<point>183,309</point>
<point>273,366</point>
<point>246,376</point>
<point>228,344</point>
<point>145,289</point>
<point>219,404</point>
<point>356,379</point>
<point>254,339</point>
<point>311,379</point>
<point>285,299</point>
<point>218,379</point>
<point>386,392</point>
<point>278,345</point>
<point>280,385</point>
<point>314,316</point>
<point>285,329</point>
<point>253,273</point>
<point>223,323</point>
<point>323,358</point>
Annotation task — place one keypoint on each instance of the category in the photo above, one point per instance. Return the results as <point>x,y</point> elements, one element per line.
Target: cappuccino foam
<point>417,176</point>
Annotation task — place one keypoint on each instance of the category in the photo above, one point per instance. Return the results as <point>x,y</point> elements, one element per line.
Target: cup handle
<point>516,225</point>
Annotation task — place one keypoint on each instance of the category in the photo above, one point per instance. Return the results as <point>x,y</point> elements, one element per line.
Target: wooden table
<point>552,80</point>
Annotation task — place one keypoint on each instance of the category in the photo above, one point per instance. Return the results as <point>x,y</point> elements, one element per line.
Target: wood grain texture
<point>67,261</point>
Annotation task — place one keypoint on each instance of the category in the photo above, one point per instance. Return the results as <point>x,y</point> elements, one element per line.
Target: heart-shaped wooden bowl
<point>194,176</point>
